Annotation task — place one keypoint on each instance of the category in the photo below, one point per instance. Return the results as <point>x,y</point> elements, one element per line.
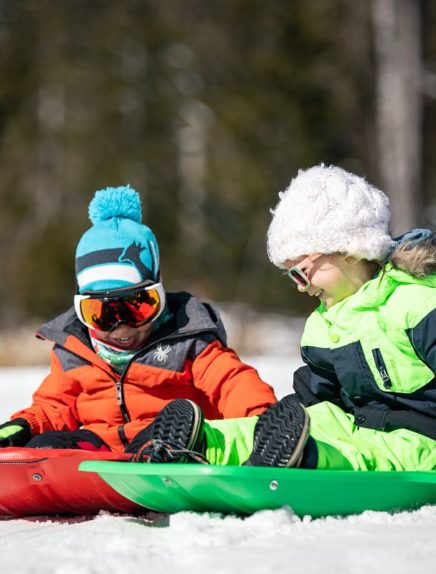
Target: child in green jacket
<point>366,399</point>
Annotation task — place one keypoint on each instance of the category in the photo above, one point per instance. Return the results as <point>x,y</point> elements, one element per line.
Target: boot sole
<point>280,434</point>
<point>179,422</point>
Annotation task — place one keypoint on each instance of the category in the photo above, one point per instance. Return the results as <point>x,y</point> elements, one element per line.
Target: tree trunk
<point>397,34</point>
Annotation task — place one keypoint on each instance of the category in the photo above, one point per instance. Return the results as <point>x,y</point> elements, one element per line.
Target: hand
<point>15,433</point>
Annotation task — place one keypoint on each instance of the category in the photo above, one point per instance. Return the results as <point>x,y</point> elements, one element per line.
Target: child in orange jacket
<point>127,348</point>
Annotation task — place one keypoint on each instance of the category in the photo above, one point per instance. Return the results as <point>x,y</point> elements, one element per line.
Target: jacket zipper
<point>119,383</point>
<point>378,358</point>
<point>120,400</point>
<point>120,395</point>
<point>124,412</point>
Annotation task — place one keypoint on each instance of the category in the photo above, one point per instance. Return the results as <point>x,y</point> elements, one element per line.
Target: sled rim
<point>177,470</point>
<point>245,490</point>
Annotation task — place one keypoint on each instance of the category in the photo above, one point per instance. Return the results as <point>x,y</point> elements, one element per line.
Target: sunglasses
<point>298,276</point>
<point>105,310</point>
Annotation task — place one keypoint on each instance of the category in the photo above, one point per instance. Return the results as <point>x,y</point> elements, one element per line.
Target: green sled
<point>244,490</point>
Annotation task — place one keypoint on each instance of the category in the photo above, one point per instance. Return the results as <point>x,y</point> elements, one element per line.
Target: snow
<point>189,543</point>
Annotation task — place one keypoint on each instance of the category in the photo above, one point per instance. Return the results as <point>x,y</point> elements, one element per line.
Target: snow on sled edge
<point>47,481</point>
<point>244,490</point>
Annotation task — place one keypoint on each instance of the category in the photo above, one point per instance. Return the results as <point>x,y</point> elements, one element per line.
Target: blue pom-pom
<point>123,202</point>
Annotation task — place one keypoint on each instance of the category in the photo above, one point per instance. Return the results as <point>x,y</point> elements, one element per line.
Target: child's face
<point>332,277</point>
<point>126,337</point>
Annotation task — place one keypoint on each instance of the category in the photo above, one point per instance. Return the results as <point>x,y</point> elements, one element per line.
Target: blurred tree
<point>206,108</point>
<point>399,106</point>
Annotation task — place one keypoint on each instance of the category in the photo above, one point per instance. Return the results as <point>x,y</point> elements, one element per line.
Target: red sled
<point>36,481</point>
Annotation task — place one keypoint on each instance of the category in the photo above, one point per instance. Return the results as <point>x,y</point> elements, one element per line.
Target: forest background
<point>208,109</point>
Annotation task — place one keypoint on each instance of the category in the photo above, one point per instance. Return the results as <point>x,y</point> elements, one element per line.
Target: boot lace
<point>155,450</point>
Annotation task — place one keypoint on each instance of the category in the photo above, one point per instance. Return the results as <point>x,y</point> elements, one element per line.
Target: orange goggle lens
<point>134,310</point>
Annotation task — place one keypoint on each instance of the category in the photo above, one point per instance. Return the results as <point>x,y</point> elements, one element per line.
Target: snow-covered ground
<point>188,543</point>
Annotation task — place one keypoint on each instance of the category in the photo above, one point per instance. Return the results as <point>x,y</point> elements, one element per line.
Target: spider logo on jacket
<point>161,354</point>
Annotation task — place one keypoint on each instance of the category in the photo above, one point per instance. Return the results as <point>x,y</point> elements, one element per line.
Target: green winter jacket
<point>374,354</point>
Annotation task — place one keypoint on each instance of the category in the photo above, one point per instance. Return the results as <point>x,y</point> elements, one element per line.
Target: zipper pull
<point>118,392</point>
<point>385,378</point>
<point>120,400</point>
<point>381,367</point>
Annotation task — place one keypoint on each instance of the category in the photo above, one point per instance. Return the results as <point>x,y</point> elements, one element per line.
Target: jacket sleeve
<point>54,402</point>
<point>423,339</point>
<point>234,388</point>
<point>312,387</point>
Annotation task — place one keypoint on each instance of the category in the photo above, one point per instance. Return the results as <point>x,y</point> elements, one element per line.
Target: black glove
<point>15,433</point>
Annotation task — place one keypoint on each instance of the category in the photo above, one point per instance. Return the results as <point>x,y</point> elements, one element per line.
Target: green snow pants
<point>341,444</point>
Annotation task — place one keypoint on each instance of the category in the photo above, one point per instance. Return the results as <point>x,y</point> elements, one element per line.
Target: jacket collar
<point>375,292</point>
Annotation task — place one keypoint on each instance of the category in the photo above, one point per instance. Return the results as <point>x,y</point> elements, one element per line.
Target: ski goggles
<point>105,310</point>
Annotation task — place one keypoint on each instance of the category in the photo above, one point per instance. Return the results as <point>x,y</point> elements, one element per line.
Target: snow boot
<point>280,435</point>
<point>177,436</point>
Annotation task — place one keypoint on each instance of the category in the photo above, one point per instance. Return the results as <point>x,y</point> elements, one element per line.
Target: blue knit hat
<point>118,250</point>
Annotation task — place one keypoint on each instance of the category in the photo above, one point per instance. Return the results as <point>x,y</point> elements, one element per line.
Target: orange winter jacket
<point>186,357</point>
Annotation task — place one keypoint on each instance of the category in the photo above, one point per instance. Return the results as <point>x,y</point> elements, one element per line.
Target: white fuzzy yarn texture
<point>329,210</point>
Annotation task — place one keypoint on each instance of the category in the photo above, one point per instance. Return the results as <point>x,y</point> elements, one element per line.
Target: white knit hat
<point>329,210</point>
